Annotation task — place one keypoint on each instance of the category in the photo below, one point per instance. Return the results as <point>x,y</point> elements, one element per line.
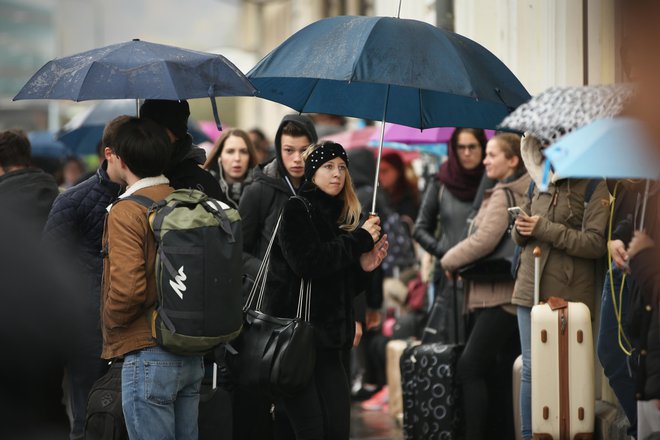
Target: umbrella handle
<point>646,196</point>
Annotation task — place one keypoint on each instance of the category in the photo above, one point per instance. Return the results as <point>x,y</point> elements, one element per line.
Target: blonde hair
<point>349,219</point>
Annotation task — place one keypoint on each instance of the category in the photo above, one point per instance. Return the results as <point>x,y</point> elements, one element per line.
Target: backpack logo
<point>177,284</point>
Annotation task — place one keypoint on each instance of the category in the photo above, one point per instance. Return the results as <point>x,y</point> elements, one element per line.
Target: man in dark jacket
<point>26,193</point>
<point>184,170</point>
<point>260,206</point>
<point>274,182</point>
<point>74,230</point>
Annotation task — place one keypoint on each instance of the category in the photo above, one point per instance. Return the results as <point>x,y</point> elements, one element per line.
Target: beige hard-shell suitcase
<point>562,361</point>
<point>394,350</point>
<point>563,395</point>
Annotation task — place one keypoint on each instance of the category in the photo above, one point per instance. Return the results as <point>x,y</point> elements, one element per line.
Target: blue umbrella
<point>389,69</point>
<point>137,70</point>
<point>610,148</point>
<point>85,130</point>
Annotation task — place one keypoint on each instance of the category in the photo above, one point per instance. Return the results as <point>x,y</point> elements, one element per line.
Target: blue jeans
<point>160,394</point>
<point>525,329</point>
<point>613,360</point>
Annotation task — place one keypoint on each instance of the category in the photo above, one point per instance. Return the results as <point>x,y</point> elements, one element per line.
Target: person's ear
<point>514,162</point>
<point>107,152</point>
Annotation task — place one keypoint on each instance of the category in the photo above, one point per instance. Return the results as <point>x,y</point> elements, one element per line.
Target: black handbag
<point>273,353</point>
<point>496,266</point>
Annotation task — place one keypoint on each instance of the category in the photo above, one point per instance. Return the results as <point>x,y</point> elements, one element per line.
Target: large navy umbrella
<point>137,70</point>
<point>390,69</point>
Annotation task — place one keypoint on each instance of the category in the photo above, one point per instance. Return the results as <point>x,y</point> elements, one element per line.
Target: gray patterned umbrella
<point>560,110</point>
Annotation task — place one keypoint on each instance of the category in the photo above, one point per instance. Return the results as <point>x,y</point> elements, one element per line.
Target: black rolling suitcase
<point>431,396</point>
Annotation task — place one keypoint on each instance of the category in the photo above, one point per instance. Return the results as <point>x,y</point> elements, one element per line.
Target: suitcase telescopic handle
<point>537,274</point>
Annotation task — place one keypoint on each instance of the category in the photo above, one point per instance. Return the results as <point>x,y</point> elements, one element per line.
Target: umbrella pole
<point>380,153</point>
<point>137,107</point>
<point>646,196</point>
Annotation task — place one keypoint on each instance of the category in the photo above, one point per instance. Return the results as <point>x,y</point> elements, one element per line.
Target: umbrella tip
<point>136,39</point>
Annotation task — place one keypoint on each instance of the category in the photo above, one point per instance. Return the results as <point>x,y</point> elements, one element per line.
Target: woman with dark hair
<point>320,241</point>
<point>441,222</point>
<point>402,194</point>
<point>231,161</point>
<point>494,326</point>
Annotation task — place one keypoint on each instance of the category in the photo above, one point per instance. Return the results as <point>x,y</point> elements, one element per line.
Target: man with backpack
<point>160,389</point>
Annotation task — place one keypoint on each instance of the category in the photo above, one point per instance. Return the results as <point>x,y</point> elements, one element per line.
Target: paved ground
<point>373,425</point>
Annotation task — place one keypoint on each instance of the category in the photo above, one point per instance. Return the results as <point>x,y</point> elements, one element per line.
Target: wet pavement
<point>373,425</point>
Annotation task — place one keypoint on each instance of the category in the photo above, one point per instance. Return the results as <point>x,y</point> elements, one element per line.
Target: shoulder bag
<point>273,353</point>
<point>496,266</point>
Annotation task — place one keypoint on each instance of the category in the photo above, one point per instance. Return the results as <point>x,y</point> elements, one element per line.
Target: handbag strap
<point>305,294</point>
<point>510,202</point>
<point>260,279</point>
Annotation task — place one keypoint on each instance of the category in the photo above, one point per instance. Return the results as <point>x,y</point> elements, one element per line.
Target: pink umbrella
<point>210,129</point>
<point>430,140</point>
<point>361,138</point>
<point>353,138</point>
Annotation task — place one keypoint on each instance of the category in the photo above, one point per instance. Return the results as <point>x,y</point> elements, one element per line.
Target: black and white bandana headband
<point>325,152</point>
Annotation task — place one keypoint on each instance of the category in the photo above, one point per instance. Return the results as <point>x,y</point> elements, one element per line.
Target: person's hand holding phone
<point>525,224</point>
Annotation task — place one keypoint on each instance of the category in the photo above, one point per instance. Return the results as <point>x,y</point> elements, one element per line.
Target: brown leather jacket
<point>129,282</point>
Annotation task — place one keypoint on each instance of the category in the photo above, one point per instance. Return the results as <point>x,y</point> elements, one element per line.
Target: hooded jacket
<point>571,237</point>
<point>263,200</point>
<point>312,246</point>
<point>27,194</point>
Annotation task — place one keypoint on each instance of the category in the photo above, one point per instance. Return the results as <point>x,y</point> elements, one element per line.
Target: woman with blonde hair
<point>492,316</point>
<point>320,240</point>
<point>231,162</point>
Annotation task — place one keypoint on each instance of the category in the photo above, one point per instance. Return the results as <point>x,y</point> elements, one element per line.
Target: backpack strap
<point>530,189</point>
<point>591,187</point>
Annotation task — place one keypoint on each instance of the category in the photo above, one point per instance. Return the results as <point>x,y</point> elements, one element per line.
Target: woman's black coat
<point>310,244</point>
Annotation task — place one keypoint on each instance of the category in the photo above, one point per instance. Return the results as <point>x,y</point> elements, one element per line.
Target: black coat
<point>259,207</point>
<point>185,171</point>
<point>311,245</point>
<point>27,194</point>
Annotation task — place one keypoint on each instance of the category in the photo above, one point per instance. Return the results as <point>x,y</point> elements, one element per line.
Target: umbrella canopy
<point>389,69</point>
<point>84,131</point>
<point>136,70</point>
<point>44,144</point>
<point>361,138</point>
<point>560,110</point>
<point>610,147</point>
<point>355,66</point>
<point>353,138</point>
<point>431,141</point>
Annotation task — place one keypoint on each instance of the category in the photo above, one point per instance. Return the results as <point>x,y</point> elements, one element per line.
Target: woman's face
<point>497,165</point>
<point>234,159</point>
<point>468,150</point>
<point>331,176</point>
<point>387,176</point>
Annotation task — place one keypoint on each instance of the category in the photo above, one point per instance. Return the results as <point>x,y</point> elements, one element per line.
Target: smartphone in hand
<point>515,211</point>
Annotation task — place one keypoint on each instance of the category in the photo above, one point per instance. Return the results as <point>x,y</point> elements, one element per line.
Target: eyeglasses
<point>469,147</point>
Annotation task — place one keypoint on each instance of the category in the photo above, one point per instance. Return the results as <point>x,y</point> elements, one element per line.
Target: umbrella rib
<point>309,95</point>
